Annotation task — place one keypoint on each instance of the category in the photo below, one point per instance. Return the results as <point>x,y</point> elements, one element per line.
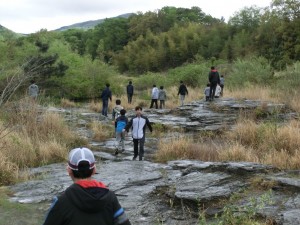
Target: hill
<point>5,33</point>
<point>89,24</point>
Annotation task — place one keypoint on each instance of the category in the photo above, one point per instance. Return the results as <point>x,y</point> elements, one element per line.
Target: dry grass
<point>254,93</point>
<point>293,102</point>
<point>260,183</point>
<point>265,94</point>
<point>101,131</point>
<point>66,103</point>
<point>265,143</point>
<point>8,170</point>
<point>32,138</point>
<point>185,148</point>
<point>95,106</point>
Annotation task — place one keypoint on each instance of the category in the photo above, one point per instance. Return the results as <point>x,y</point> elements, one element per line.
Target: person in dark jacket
<point>138,126</point>
<point>129,90</point>
<point>214,80</point>
<point>105,96</point>
<point>86,201</point>
<point>182,91</point>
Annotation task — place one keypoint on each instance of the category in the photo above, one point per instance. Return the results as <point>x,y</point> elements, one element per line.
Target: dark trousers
<point>104,107</point>
<point>154,101</point>
<point>222,87</point>
<point>212,90</point>
<point>129,96</point>
<point>161,104</point>
<point>136,143</point>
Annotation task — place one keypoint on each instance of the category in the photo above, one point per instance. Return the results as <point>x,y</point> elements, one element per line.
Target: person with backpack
<point>129,90</point>
<point>116,110</point>
<point>214,80</point>
<point>120,125</point>
<point>105,96</point>
<point>138,125</point>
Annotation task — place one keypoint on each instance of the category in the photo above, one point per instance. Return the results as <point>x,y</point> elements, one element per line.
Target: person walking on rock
<point>120,124</point>
<point>105,96</point>
<point>129,90</point>
<point>86,201</point>
<point>206,92</point>
<point>214,80</point>
<point>116,110</point>
<point>182,91</point>
<point>138,126</point>
<point>154,97</point>
<point>162,96</point>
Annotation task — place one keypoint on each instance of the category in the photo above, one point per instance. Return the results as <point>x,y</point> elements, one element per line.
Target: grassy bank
<point>30,137</point>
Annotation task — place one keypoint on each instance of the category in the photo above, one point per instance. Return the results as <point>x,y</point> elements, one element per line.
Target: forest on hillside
<point>76,63</point>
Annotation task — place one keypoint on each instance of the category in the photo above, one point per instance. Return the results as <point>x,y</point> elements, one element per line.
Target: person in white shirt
<point>154,96</point>
<point>138,130</point>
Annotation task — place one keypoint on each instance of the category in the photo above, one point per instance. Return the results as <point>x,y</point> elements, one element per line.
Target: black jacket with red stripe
<point>86,202</point>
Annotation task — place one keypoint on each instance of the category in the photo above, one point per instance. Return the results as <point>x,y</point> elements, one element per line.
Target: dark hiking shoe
<point>134,158</point>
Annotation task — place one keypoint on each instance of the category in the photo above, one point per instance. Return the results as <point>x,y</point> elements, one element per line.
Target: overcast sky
<point>29,16</point>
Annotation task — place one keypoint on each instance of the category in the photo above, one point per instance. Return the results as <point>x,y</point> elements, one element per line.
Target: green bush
<point>253,71</point>
<point>288,80</point>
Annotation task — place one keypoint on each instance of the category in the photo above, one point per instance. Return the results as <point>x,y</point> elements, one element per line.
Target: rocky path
<point>176,192</point>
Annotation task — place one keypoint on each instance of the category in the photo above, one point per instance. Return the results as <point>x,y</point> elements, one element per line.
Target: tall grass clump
<point>8,170</point>
<point>101,131</point>
<point>66,103</point>
<point>254,92</point>
<point>33,138</point>
<point>266,143</point>
<point>185,148</point>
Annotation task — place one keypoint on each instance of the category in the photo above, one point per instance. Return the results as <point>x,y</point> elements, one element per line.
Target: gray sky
<point>29,16</point>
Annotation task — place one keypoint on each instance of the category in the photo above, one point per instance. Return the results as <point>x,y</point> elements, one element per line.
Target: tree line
<point>169,37</point>
<point>77,63</point>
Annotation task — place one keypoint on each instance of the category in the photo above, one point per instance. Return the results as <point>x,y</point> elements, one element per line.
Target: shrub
<point>247,72</point>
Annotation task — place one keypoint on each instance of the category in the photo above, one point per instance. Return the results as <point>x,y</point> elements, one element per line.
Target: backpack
<point>120,125</point>
<point>117,114</point>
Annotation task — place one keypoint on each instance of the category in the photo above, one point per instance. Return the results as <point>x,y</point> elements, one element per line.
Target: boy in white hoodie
<point>154,97</point>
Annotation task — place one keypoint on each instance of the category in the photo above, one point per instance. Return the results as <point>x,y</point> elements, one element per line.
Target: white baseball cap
<point>78,155</point>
